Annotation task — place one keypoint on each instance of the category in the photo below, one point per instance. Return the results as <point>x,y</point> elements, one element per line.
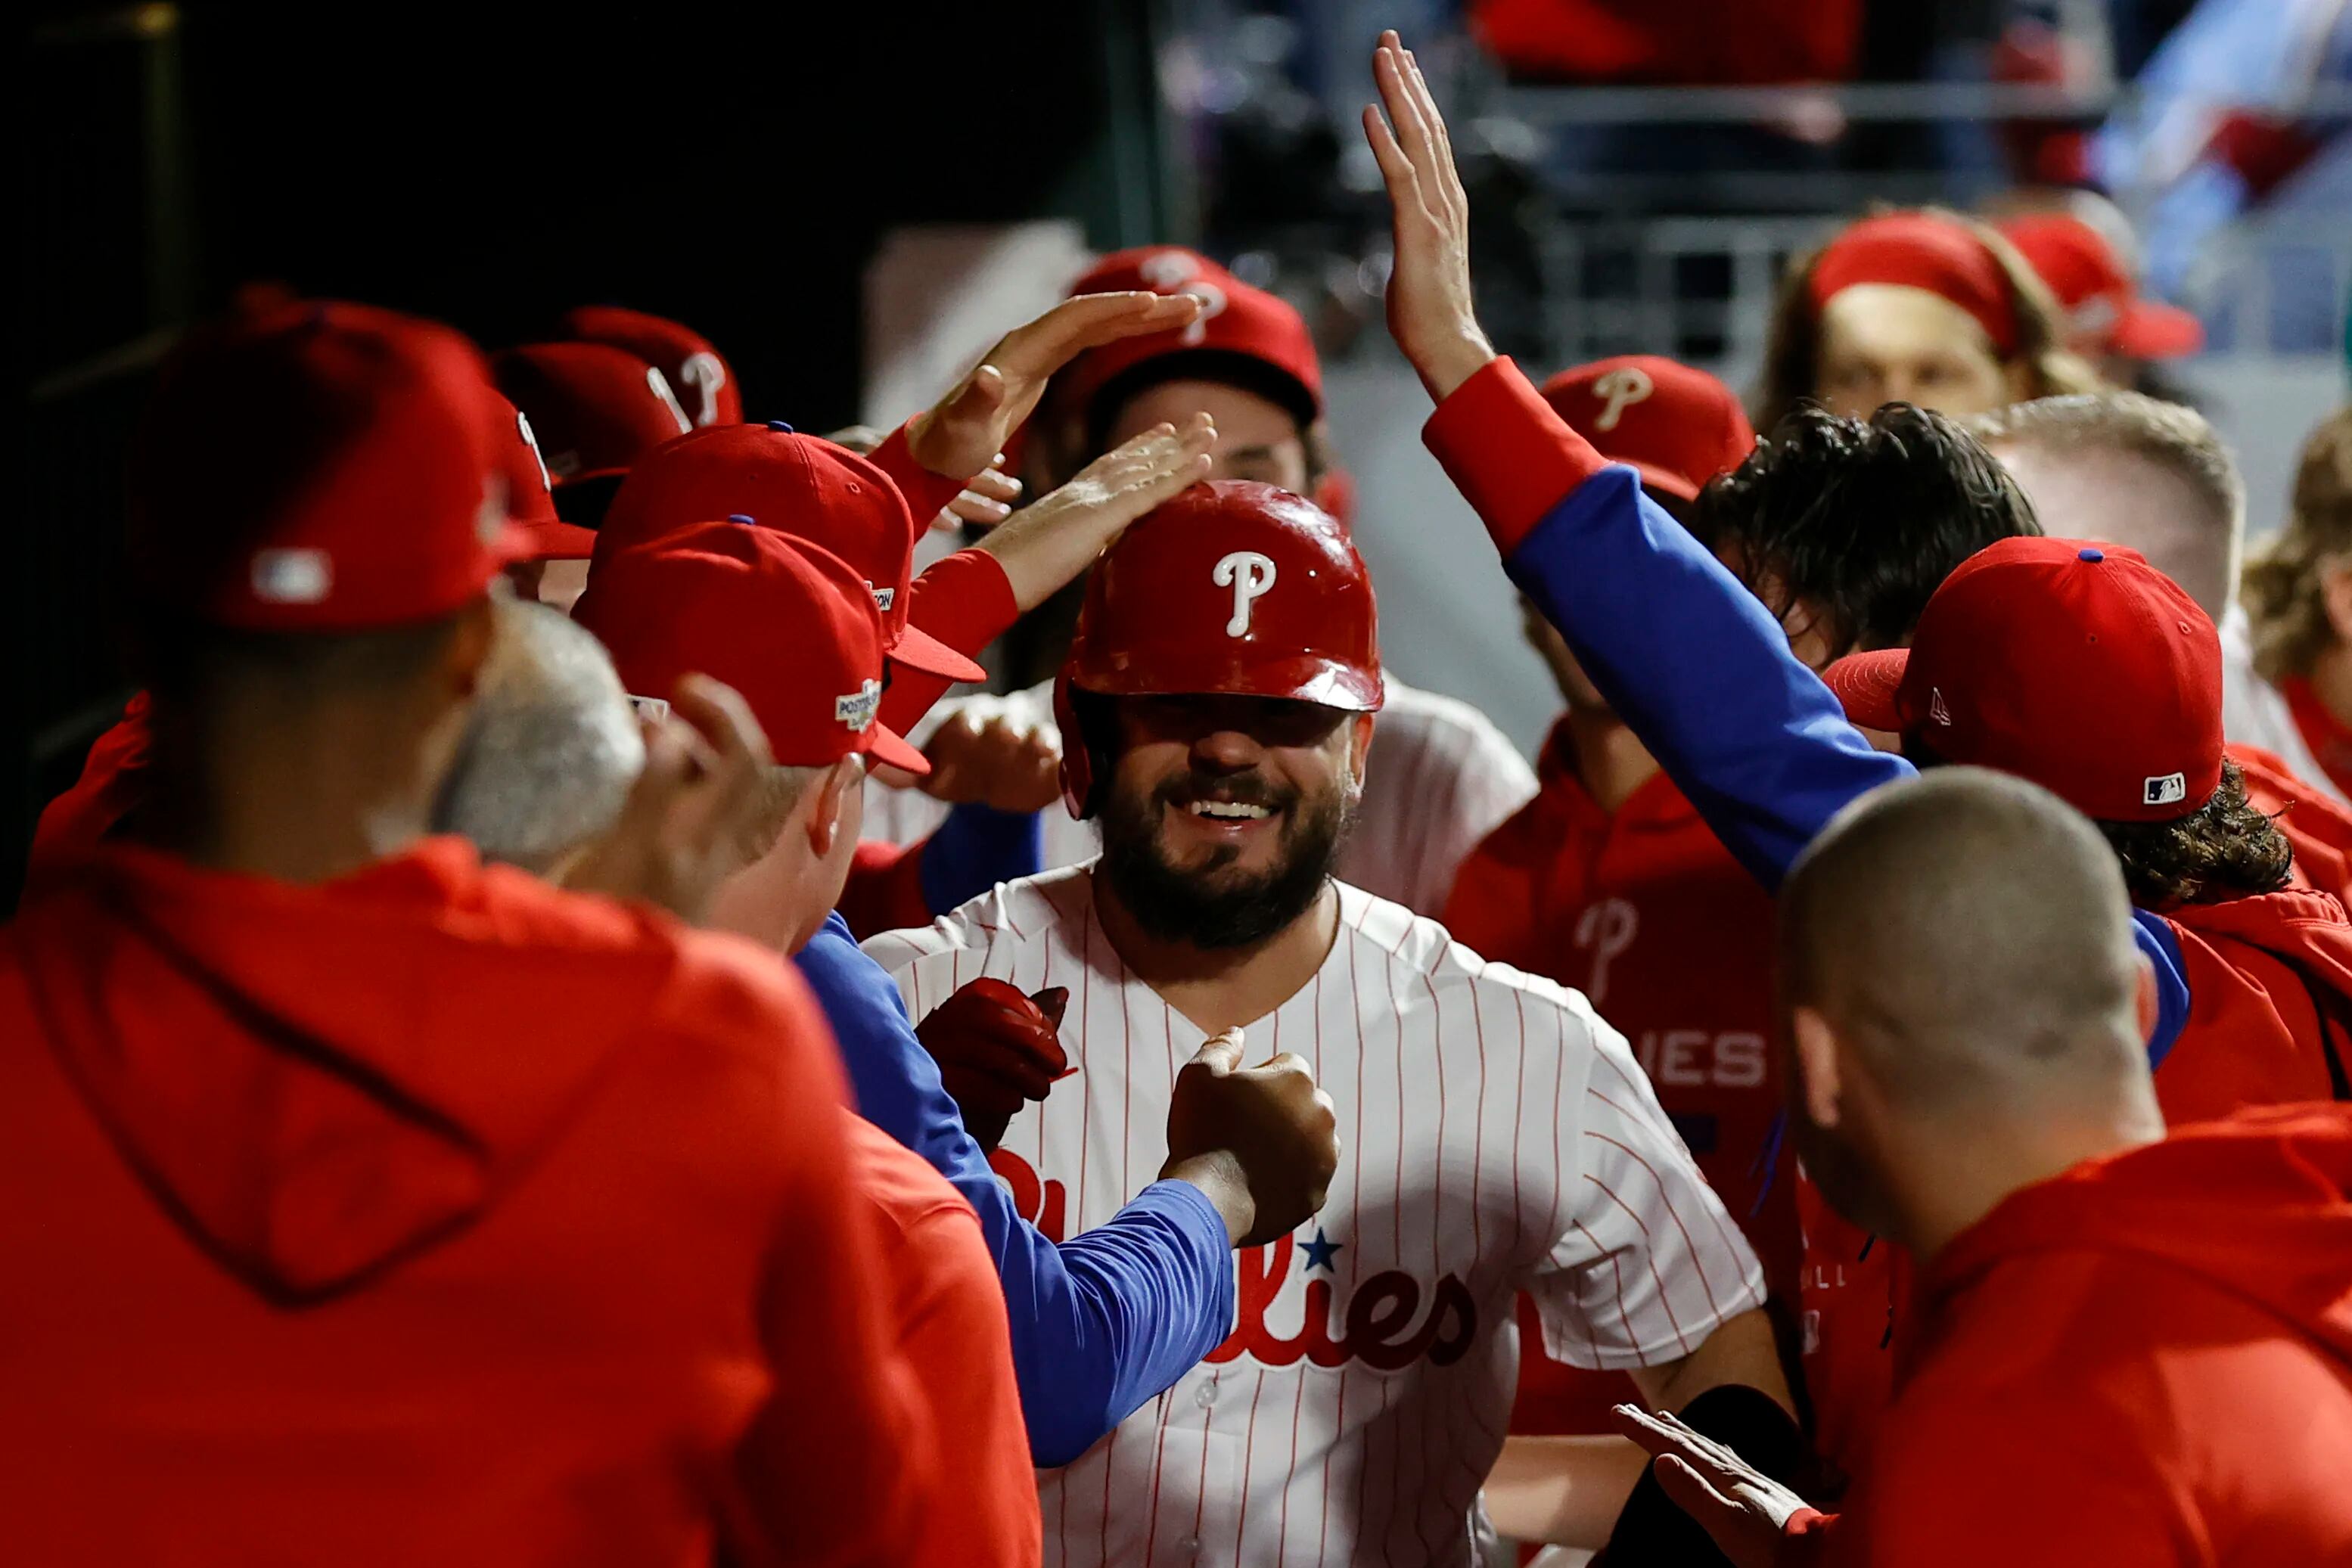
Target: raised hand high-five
<point>1430,311</point>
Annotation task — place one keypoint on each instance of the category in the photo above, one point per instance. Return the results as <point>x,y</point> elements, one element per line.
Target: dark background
<point>491,166</point>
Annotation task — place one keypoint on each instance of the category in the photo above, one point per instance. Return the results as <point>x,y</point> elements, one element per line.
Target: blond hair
<point>1791,353</point>
<point>2286,590</point>
<point>2170,437</point>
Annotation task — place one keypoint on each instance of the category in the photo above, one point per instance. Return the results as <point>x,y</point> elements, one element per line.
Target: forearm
<point>1563,1492</point>
<point>1107,1320</point>
<point>1690,659</point>
<point>1740,1353</point>
<point>965,601</point>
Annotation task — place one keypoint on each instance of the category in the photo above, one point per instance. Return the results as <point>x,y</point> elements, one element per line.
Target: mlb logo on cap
<point>2170,790</point>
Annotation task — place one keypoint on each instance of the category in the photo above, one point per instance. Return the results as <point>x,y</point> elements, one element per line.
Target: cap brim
<point>884,744</point>
<point>919,650</point>
<point>514,543</point>
<point>1866,685</point>
<point>555,540</point>
<point>1664,479</point>
<point>2150,330</point>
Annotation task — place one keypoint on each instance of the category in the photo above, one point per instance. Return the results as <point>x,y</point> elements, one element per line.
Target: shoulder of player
<point>1424,949</point>
<point>1016,911</point>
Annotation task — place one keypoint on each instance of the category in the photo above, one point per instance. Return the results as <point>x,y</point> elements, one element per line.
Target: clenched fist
<point>1262,1141</point>
<point>997,1050</point>
<point>999,762</point>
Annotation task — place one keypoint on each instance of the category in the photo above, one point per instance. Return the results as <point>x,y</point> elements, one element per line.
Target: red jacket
<point>2270,987</point>
<point>428,1216</point>
<point>1647,914</point>
<point>949,1309</point>
<point>2147,1360</point>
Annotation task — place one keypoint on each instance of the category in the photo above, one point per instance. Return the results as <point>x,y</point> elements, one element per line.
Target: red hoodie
<point>2146,1360</point>
<point>428,1216</point>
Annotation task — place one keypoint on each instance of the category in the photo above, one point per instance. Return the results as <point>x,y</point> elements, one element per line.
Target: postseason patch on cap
<point>856,710</point>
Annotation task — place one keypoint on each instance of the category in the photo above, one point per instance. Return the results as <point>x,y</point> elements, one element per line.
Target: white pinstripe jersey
<point>1440,778</point>
<point>1498,1136</point>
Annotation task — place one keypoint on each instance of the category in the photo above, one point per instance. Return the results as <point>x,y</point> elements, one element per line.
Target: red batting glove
<point>997,1050</point>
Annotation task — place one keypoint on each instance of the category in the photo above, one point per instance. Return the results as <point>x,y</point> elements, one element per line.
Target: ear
<point>1359,746</point>
<point>471,638</point>
<point>1809,634</point>
<point>829,801</point>
<point>1819,1077</point>
<point>2336,593</point>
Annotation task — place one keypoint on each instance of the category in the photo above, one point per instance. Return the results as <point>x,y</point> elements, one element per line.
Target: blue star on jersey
<point>1318,1251</point>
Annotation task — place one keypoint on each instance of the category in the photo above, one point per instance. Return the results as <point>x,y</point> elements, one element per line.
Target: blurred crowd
<point>550,1033</point>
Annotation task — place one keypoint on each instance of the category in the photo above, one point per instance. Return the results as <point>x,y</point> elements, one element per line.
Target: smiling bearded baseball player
<point>1218,699</point>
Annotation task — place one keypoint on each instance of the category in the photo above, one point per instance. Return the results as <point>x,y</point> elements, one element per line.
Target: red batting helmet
<point>1230,587</point>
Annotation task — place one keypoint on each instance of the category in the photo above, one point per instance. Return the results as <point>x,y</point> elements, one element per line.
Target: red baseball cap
<point>2076,665</point>
<point>1243,334</point>
<point>531,495</point>
<point>1921,250</point>
<point>315,466</point>
<point>787,625</point>
<point>594,409</point>
<point>1679,425</point>
<point>796,485</point>
<point>2104,311</point>
<point>702,379</point>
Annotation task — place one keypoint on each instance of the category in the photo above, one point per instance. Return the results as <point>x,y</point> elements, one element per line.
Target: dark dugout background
<point>490,166</point>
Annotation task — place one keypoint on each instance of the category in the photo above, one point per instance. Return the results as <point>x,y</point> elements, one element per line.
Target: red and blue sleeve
<point>1691,661</point>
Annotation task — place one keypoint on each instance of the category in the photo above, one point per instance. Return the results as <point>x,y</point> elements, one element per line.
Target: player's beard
<point>1211,906</point>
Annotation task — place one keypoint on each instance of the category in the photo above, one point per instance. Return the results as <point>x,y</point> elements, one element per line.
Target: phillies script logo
<point>1384,1326</point>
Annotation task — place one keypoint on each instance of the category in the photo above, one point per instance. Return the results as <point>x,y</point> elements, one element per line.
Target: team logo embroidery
<point>1173,272</point>
<point>1167,269</point>
<point>1936,708</point>
<point>2165,789</point>
<point>1607,928</point>
<point>1388,1320</point>
<point>856,709</point>
<point>1620,389</point>
<point>659,384</point>
<point>1249,575</point>
<point>293,576</point>
<point>705,373</point>
<point>522,426</point>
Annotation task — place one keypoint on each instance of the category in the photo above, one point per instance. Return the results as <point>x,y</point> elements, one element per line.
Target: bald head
<point>2132,470</point>
<point>552,746</point>
<point>1967,936</point>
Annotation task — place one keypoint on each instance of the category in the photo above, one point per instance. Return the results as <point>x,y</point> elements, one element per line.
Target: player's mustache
<point>1230,788</point>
